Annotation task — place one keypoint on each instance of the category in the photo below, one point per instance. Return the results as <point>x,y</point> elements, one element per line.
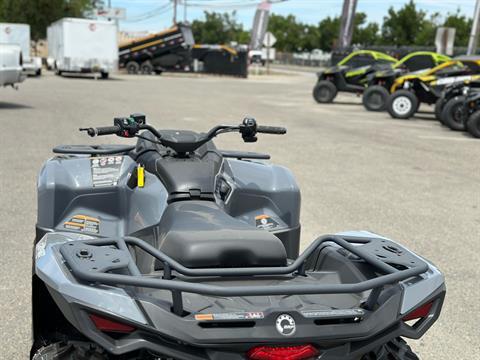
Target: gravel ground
<point>412,181</point>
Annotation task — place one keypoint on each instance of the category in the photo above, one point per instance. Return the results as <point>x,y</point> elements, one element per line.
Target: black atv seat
<point>198,234</point>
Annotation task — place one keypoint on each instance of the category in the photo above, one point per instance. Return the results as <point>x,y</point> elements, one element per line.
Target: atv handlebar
<point>276,130</point>
<point>99,131</point>
<point>130,126</point>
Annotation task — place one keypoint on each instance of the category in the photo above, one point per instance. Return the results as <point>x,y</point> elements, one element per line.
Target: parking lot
<point>410,180</point>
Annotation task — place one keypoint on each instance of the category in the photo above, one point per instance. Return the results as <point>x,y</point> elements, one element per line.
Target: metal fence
<point>326,59</point>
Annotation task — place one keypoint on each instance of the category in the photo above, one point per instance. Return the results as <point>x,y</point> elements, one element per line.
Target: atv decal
<point>335,313</point>
<point>230,316</point>
<point>451,80</point>
<point>265,222</point>
<point>83,223</point>
<point>106,170</point>
<point>285,325</point>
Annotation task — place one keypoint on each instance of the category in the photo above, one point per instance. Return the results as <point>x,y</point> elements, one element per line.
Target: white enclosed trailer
<point>10,64</point>
<point>83,46</point>
<point>19,34</point>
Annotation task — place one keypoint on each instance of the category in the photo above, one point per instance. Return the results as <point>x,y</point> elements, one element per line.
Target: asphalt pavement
<point>411,180</point>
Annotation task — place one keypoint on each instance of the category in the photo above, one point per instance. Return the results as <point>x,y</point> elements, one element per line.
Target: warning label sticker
<point>265,222</point>
<point>106,170</point>
<point>83,223</point>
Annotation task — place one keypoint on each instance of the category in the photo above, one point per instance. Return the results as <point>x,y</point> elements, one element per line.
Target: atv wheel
<point>132,67</point>
<point>473,124</point>
<point>402,104</point>
<point>63,351</point>
<point>438,110</point>
<point>375,98</point>
<point>324,92</point>
<point>454,113</point>
<point>394,349</point>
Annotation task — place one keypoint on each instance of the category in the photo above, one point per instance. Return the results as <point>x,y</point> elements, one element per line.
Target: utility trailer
<point>166,50</point>
<point>19,34</point>
<point>10,65</point>
<point>83,46</point>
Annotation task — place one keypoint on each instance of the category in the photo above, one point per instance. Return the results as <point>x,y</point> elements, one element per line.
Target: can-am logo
<point>285,325</point>
<point>92,27</point>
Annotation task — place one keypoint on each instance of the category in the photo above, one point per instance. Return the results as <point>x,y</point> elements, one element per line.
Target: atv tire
<point>396,349</point>
<point>324,92</point>
<point>375,98</point>
<point>402,104</point>
<point>454,114</point>
<point>473,124</point>
<point>438,110</point>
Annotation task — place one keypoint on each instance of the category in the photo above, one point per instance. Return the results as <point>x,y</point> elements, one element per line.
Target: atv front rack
<point>92,260</point>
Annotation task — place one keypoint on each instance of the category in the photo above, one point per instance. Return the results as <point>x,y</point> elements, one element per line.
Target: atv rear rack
<point>393,263</point>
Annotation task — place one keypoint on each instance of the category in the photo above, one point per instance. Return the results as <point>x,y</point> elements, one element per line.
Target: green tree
<point>288,32</point>
<point>407,26</point>
<point>219,28</point>
<point>364,33</point>
<point>329,29</point>
<point>39,14</point>
<point>462,24</point>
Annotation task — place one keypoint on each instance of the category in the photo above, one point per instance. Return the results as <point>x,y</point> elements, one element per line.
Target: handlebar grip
<point>278,130</point>
<point>105,130</point>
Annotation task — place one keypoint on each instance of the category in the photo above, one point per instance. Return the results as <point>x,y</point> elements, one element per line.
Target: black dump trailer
<point>221,60</point>
<point>166,50</point>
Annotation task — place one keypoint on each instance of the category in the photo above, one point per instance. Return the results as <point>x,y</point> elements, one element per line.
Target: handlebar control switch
<point>128,126</point>
<point>248,129</point>
<point>140,119</point>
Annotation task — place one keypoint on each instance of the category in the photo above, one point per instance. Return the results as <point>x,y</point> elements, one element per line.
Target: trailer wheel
<point>402,104</point>
<point>375,98</point>
<point>324,92</point>
<point>473,124</point>
<point>104,75</point>
<point>454,113</point>
<point>146,67</point>
<point>132,67</point>
<point>38,72</point>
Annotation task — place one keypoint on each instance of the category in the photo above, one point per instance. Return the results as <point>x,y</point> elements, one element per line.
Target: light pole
<point>184,11</point>
<point>174,12</point>
<point>472,42</point>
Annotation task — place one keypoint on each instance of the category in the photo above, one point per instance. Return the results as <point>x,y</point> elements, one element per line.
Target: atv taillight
<point>299,352</point>
<point>111,326</point>
<point>419,313</point>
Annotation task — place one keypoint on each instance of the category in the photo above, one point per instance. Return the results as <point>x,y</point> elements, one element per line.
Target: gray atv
<point>175,249</point>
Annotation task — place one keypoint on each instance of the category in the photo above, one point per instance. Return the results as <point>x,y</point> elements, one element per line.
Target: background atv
<point>350,74</point>
<point>409,91</point>
<point>463,112</point>
<point>449,107</point>
<point>379,83</point>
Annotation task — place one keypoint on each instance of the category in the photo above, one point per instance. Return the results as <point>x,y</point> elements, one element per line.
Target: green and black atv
<point>409,91</point>
<point>379,83</point>
<point>350,74</point>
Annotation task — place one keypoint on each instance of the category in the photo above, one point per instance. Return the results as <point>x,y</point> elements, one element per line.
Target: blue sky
<point>308,11</point>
